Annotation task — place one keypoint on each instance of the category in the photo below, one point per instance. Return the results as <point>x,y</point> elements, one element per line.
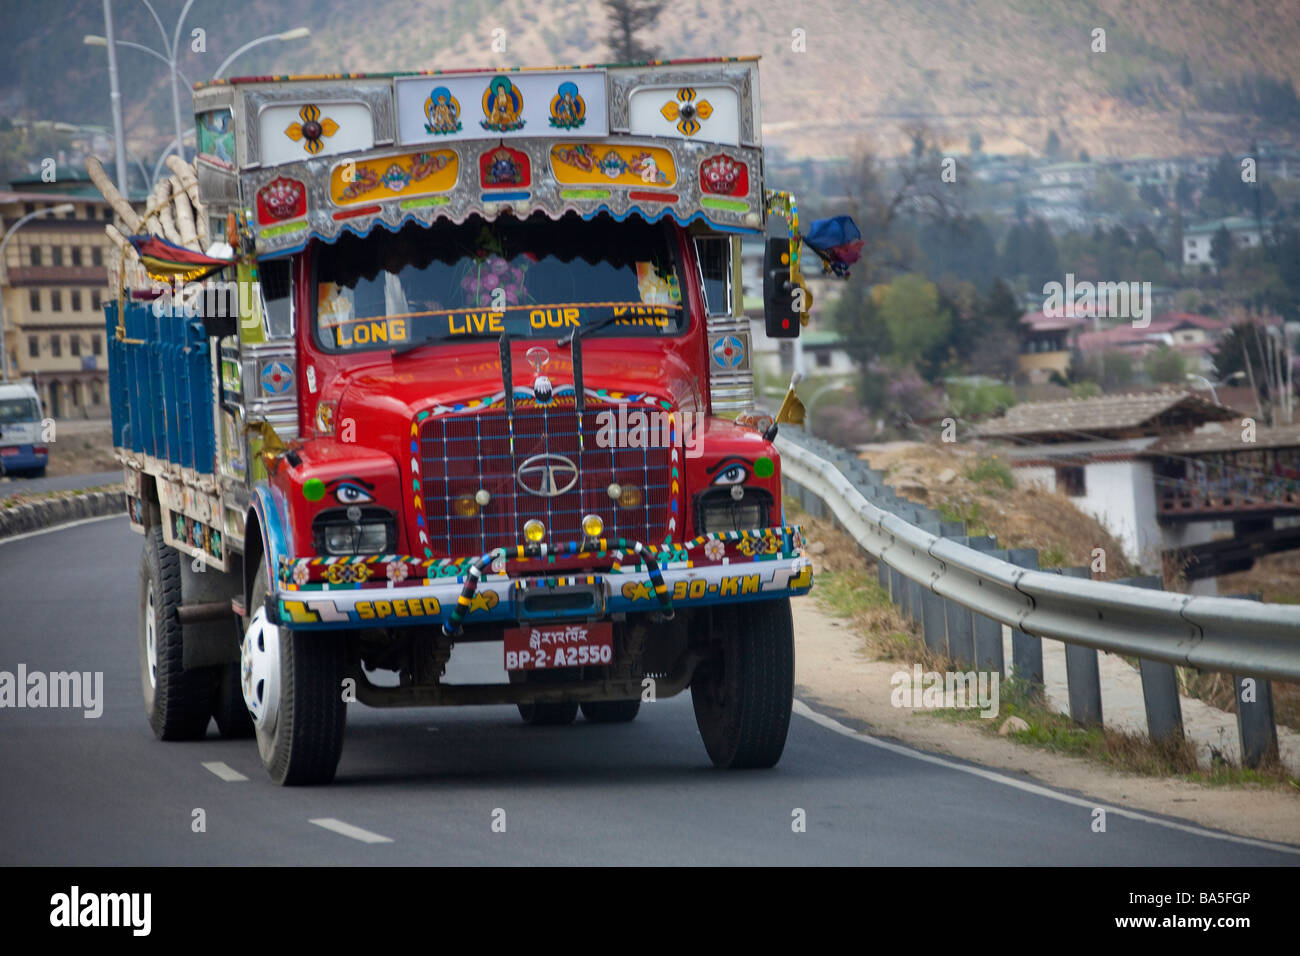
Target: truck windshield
<point>533,278</point>
<point>16,410</point>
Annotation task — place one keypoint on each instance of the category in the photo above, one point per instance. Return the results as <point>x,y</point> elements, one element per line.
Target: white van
<point>22,450</point>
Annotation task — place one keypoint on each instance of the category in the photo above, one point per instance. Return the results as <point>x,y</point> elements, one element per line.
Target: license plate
<point>559,645</point>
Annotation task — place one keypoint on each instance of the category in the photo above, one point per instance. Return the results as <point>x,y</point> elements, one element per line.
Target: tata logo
<point>547,475</point>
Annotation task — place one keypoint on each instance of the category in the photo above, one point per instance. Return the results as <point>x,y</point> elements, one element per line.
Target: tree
<point>910,309</point>
<point>1224,184</point>
<point>1052,148</point>
<point>1151,196</point>
<point>1221,247</point>
<point>1166,367</point>
<point>1237,347</point>
<point>626,17</point>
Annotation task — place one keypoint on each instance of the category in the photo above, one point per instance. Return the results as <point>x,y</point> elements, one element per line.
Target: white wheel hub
<point>259,669</point>
<point>151,639</point>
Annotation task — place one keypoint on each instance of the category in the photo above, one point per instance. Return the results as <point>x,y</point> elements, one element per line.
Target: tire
<point>228,708</point>
<point>549,713</point>
<point>743,698</point>
<point>610,711</point>
<point>176,701</point>
<point>302,745</point>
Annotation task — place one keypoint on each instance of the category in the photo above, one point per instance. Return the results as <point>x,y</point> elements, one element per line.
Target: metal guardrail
<point>961,589</point>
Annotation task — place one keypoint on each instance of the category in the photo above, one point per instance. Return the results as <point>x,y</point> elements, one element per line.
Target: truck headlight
<point>719,509</point>
<point>342,531</point>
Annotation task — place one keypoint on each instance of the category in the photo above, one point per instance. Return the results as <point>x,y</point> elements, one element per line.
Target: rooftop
<point>1227,439</point>
<point>1232,224</point>
<point>1106,416</point>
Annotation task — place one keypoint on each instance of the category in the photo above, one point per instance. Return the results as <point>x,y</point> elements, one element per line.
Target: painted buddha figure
<point>503,105</point>
<point>443,111</point>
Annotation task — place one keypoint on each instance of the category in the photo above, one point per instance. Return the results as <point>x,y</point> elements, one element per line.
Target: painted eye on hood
<point>731,475</point>
<point>349,494</point>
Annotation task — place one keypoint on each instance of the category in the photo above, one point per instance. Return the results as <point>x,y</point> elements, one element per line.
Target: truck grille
<point>462,453</point>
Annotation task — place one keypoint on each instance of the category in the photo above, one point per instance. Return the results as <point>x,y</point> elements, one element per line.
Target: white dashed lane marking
<point>224,771</point>
<point>348,830</point>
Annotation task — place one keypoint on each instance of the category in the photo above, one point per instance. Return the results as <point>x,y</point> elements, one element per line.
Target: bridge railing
<point>962,590</point>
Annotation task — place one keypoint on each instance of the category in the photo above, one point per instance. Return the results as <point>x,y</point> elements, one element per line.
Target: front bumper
<point>731,567</point>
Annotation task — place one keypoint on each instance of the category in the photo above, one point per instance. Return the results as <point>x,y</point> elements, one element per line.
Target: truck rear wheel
<point>176,701</point>
<point>610,711</point>
<point>743,697</point>
<point>292,687</point>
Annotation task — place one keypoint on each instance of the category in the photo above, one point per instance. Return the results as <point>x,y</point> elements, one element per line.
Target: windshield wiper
<point>587,330</point>
<point>412,346</point>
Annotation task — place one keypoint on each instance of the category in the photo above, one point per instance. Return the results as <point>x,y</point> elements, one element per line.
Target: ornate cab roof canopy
<point>312,157</point>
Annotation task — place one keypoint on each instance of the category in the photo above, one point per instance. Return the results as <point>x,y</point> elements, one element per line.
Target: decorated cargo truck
<point>408,361</point>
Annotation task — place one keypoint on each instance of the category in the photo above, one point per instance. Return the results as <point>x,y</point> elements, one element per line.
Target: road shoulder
<point>834,670</point>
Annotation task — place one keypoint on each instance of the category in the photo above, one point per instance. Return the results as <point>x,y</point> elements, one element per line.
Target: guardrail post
<point>934,621</point>
<point>1256,724</point>
<point>961,635</point>
<point>912,591</point>
<point>988,632</point>
<point>1082,675</point>
<point>934,626</point>
<point>1159,683</point>
<point>1026,651</point>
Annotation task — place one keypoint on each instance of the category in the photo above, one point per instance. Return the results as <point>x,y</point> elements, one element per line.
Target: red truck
<point>408,361</point>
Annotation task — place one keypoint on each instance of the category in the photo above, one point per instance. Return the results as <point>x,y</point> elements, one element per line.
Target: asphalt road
<point>18,485</point>
<point>103,791</point>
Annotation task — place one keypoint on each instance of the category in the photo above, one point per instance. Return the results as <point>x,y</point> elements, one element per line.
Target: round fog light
<point>483,496</point>
<point>630,497</point>
<point>614,490</point>
<point>466,507</point>
<point>534,531</point>
<point>592,526</point>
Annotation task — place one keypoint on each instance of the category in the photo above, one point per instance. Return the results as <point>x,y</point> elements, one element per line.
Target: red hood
<point>382,397</point>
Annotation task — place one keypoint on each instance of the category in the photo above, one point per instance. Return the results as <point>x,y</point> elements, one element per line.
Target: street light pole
<point>1210,385</point>
<point>170,57</point>
<point>115,101</point>
<point>170,48</point>
<point>52,210</point>
<point>297,33</point>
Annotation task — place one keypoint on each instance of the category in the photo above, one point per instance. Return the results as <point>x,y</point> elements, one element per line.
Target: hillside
<point>1009,69</point>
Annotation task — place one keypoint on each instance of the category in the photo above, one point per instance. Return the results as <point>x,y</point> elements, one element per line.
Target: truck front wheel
<point>744,694</point>
<point>292,682</point>
<point>176,701</point>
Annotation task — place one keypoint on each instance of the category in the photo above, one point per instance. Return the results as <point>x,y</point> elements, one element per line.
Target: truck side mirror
<point>779,314</point>
<point>218,307</point>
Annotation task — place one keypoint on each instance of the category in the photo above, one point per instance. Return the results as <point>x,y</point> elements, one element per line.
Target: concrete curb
<point>48,512</point>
